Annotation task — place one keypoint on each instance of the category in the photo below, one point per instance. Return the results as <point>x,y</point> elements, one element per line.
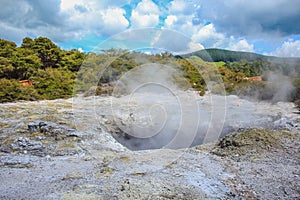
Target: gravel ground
<point>71,155</point>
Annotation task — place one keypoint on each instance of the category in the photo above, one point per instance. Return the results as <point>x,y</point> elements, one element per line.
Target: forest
<point>53,71</point>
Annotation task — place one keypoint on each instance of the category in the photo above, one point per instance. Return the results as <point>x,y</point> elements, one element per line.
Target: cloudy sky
<point>263,26</point>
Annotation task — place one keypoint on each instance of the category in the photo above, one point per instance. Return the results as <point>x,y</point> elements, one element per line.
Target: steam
<point>155,112</point>
<point>152,111</point>
<point>279,87</point>
<point>274,88</point>
<point>149,109</point>
<point>158,120</point>
<point>152,107</point>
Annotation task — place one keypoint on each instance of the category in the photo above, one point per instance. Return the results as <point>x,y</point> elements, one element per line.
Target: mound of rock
<point>53,129</point>
<point>43,138</point>
<point>26,145</point>
<point>250,141</point>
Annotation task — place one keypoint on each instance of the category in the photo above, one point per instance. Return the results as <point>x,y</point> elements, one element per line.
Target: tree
<point>7,48</point>
<point>72,60</point>
<point>27,43</point>
<point>47,51</point>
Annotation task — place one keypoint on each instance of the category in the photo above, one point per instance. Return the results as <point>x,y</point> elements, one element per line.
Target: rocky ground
<point>64,149</point>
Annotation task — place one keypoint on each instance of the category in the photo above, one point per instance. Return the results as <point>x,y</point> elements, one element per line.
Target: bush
<point>12,90</point>
<point>54,83</point>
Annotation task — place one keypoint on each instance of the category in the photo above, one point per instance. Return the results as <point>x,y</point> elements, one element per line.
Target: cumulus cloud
<point>254,18</point>
<point>67,4</point>
<point>181,14</point>
<point>80,49</point>
<point>182,23</point>
<point>95,17</point>
<point>241,45</point>
<point>206,35</point>
<point>113,21</point>
<point>143,20</point>
<point>170,20</point>
<point>30,18</point>
<point>191,47</point>
<point>181,7</point>
<point>209,37</point>
<point>173,41</point>
<point>221,24</point>
<point>146,14</point>
<point>288,49</point>
<point>60,20</point>
<point>215,23</point>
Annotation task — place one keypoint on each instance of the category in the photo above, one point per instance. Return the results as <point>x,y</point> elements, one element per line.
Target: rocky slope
<point>65,149</point>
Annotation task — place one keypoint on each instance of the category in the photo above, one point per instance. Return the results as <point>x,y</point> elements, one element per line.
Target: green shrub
<point>12,90</point>
<point>54,83</point>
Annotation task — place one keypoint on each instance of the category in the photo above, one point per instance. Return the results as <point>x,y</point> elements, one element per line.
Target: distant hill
<point>216,55</point>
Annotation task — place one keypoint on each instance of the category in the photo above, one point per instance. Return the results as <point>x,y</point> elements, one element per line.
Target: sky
<point>269,27</point>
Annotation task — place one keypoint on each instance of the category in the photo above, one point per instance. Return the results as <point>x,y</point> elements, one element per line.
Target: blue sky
<point>262,26</point>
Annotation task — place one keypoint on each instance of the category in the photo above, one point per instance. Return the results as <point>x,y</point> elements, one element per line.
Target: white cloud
<point>91,17</point>
<point>206,35</point>
<point>191,47</point>
<point>181,23</point>
<point>173,41</point>
<point>61,20</point>
<point>181,7</point>
<point>67,4</point>
<point>91,4</point>
<point>241,45</point>
<point>141,21</point>
<point>195,46</point>
<point>146,14</point>
<point>64,20</point>
<point>252,19</point>
<point>114,20</point>
<point>180,17</point>
<point>170,20</point>
<point>288,49</point>
<point>147,7</point>
<point>209,37</point>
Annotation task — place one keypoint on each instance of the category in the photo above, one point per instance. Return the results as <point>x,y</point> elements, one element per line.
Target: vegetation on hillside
<point>51,69</point>
<point>216,55</point>
<point>54,71</point>
<point>250,65</point>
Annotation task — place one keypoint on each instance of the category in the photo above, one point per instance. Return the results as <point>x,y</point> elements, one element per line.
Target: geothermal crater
<point>152,120</point>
